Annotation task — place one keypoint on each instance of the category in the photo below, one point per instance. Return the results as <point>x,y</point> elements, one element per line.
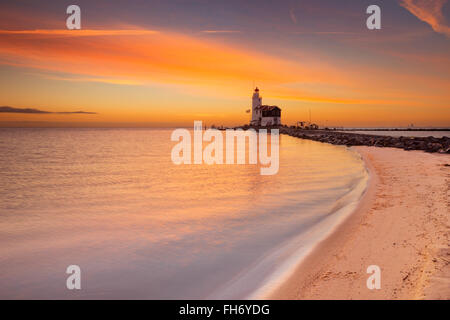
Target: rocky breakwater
<point>427,144</point>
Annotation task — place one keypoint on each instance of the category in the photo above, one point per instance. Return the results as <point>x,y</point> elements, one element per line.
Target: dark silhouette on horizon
<point>7,109</point>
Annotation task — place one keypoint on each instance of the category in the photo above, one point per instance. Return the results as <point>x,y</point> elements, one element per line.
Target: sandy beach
<point>400,225</point>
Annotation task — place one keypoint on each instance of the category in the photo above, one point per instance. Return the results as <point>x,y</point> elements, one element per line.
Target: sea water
<point>140,227</point>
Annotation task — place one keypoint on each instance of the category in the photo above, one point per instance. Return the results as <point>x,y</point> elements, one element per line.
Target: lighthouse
<point>263,115</point>
<point>256,112</point>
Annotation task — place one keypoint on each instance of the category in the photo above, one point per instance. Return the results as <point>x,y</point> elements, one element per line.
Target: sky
<point>167,63</point>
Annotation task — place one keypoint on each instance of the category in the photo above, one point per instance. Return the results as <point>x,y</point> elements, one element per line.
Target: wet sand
<point>400,225</point>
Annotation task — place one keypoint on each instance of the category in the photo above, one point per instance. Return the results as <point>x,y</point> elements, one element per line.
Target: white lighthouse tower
<point>256,106</point>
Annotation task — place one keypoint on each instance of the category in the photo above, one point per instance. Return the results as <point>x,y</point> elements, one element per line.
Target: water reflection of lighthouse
<point>264,115</point>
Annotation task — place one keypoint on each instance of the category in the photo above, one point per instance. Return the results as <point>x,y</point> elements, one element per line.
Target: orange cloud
<point>147,56</point>
<point>80,33</point>
<point>201,67</point>
<point>116,81</point>
<point>429,12</point>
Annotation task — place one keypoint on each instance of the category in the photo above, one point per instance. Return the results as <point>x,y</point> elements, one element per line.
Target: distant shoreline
<point>428,144</point>
<point>391,129</point>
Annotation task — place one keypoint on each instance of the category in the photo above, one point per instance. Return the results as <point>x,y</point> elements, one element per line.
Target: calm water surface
<point>112,202</point>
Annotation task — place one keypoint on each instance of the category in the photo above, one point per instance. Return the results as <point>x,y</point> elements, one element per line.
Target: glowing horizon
<point>164,74</point>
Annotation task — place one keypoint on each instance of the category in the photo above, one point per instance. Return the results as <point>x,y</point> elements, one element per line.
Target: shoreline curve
<point>403,234</point>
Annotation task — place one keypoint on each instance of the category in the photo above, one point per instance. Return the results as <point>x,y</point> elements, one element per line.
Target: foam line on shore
<point>280,264</point>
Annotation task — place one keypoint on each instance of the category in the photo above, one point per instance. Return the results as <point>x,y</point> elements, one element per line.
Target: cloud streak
<point>80,33</point>
<point>6,109</point>
<point>221,31</point>
<point>162,57</point>
<point>173,59</point>
<point>429,12</point>
<point>293,16</point>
